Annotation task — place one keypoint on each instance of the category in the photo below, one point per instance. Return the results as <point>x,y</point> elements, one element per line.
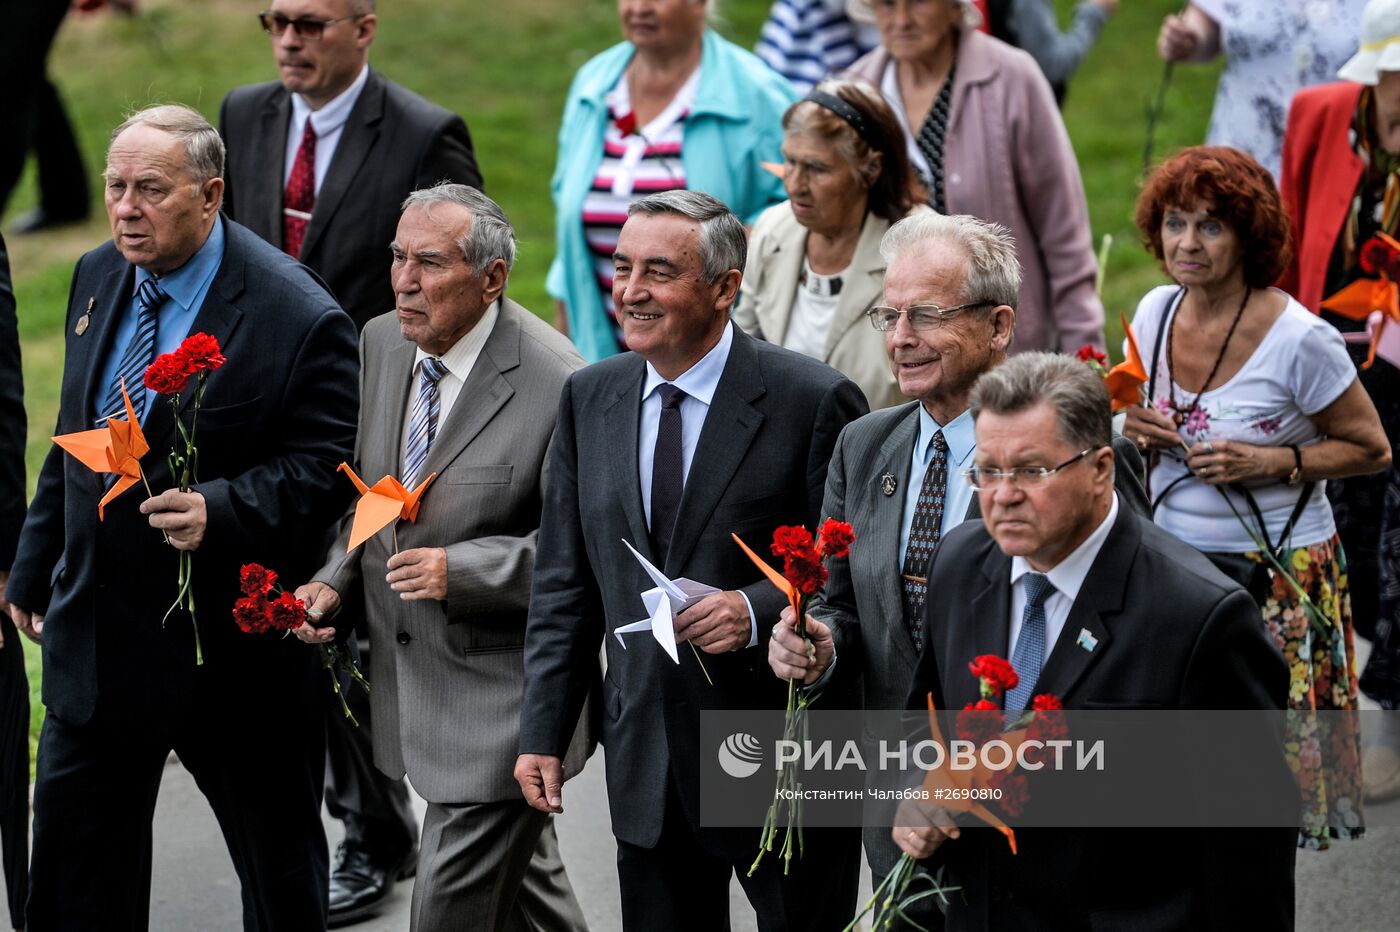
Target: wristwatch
<point>1296,476</point>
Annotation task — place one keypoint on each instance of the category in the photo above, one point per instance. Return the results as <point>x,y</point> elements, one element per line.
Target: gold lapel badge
<point>86,319</point>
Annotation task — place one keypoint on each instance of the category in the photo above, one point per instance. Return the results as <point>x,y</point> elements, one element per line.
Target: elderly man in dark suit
<point>700,432</point>
<point>121,686</point>
<point>897,475</point>
<point>469,383</point>
<point>1094,604</point>
<point>14,685</point>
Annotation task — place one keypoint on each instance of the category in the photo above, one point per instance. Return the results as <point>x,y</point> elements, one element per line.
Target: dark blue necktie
<point>139,354</point>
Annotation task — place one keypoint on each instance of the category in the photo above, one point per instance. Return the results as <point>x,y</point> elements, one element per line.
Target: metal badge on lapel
<point>1087,640</point>
<point>888,484</point>
<point>86,319</point>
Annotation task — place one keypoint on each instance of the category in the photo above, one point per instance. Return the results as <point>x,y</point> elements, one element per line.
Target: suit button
<point>403,637</point>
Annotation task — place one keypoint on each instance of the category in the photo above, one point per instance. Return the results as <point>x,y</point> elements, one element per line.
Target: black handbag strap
<point>1275,548</point>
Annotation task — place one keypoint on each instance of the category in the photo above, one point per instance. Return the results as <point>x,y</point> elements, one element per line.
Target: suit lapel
<point>730,427</point>
<point>485,392</point>
<point>887,517</point>
<point>356,140</point>
<point>620,421</point>
<point>398,386</point>
<point>272,149</point>
<point>113,297</point>
<point>863,285</point>
<point>984,628</point>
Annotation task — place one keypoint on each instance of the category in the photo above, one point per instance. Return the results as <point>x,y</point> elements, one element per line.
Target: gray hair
<point>204,150</point>
<point>490,236</point>
<point>723,244</point>
<point>1085,412</point>
<point>993,272</point>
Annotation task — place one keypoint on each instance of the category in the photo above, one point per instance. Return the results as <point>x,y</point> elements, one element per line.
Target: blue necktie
<point>1029,655</point>
<point>423,422</point>
<point>139,354</point>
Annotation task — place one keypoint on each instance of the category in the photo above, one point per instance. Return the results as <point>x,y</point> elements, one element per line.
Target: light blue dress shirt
<point>187,287</point>
<point>699,383</point>
<point>962,441</point>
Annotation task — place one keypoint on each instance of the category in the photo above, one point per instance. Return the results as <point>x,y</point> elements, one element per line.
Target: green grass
<point>507,74</point>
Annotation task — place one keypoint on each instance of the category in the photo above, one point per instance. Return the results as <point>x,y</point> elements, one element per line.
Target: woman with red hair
<point>1253,404</point>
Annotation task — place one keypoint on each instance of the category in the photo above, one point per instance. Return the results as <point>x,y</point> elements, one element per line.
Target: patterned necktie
<point>667,471</point>
<point>1029,655</point>
<point>423,422</point>
<point>138,354</point>
<point>930,141</point>
<point>300,197</point>
<point>924,533</point>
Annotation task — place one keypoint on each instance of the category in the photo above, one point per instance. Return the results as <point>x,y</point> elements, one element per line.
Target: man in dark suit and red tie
<point>121,682</point>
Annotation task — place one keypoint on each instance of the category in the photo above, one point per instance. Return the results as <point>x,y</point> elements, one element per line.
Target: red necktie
<point>300,197</point>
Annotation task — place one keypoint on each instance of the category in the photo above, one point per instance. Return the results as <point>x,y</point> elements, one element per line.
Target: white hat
<point>1380,44</point>
<point>859,11</point>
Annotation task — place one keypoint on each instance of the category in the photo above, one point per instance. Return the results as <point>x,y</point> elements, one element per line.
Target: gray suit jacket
<point>863,601</point>
<point>447,675</point>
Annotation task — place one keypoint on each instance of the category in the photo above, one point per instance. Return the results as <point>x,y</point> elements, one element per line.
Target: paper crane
<point>1125,379</point>
<point>941,779</point>
<point>116,448</point>
<point>669,598</point>
<point>382,504</point>
<point>1376,301</point>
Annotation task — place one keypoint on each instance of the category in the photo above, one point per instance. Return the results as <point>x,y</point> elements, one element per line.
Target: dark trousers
<point>32,118</point>
<point>260,765</point>
<point>375,809</point>
<point>681,886</point>
<point>14,770</point>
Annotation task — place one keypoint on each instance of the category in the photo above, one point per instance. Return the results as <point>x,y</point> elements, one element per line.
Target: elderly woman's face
<point>913,30</point>
<point>1198,248</point>
<point>822,186</point>
<point>662,24</point>
<point>1387,97</point>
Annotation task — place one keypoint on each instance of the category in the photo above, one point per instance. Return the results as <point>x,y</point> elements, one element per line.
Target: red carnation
<point>256,580</point>
<point>286,612</point>
<point>1046,702</point>
<point>1015,791</point>
<point>805,572</point>
<point>627,123</point>
<point>250,613</point>
<point>836,538</point>
<point>979,722</point>
<point>1376,256</point>
<point>789,540</point>
<point>996,674</point>
<point>1087,353</point>
<point>167,375</point>
<point>200,352</point>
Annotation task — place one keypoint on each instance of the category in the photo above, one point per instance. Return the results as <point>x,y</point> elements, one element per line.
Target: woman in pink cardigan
<point>985,135</point>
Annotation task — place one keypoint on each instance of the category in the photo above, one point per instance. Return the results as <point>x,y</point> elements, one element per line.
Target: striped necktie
<point>1029,655</point>
<point>139,354</point>
<point>423,422</point>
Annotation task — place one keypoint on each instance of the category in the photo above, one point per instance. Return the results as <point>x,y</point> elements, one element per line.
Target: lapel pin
<point>888,484</point>
<point>1087,640</point>
<point>85,319</point>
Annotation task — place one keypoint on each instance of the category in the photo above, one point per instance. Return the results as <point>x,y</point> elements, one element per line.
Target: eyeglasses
<point>274,24</point>
<point>1020,476</point>
<point>921,316</point>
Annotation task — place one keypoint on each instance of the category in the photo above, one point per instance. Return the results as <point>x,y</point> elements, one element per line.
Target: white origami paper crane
<point>663,602</point>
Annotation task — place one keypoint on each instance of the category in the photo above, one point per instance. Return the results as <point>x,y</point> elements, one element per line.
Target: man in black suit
<point>375,143</point>
<point>1094,604</point>
<point>123,687</point>
<point>14,684</point>
<point>702,431</point>
<point>372,144</point>
<point>871,611</point>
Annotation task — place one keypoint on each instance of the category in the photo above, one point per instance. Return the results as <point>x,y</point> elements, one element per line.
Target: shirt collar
<point>701,379</point>
<point>333,115</point>
<point>1069,574</point>
<point>185,283</point>
<point>460,357</point>
<point>959,434</point>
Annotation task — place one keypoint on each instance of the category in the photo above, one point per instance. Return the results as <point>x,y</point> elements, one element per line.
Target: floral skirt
<point>1324,751</point>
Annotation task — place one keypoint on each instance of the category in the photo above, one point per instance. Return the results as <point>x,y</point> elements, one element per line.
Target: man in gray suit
<point>700,432</point>
<point>897,475</point>
<point>465,384</point>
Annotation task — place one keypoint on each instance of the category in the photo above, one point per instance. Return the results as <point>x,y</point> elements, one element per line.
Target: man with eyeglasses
<point>897,475</point>
<point>319,163</point>
<point>1096,605</point>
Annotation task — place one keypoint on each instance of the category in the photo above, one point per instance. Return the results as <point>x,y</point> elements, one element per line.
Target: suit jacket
<point>1173,633</point>
<point>12,420</point>
<point>760,463</point>
<point>863,601</point>
<point>440,664</point>
<point>394,143</point>
<point>777,247</point>
<point>276,420</point>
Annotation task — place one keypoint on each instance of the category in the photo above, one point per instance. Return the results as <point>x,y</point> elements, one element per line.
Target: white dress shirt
<point>459,360</point>
<point>1067,577</point>
<point>329,122</point>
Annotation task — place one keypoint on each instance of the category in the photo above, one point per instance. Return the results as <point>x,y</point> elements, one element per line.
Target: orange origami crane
<point>776,578</point>
<point>382,504</point>
<point>116,448</point>
<point>1370,296</point>
<point>944,778</point>
<point>1125,379</point>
